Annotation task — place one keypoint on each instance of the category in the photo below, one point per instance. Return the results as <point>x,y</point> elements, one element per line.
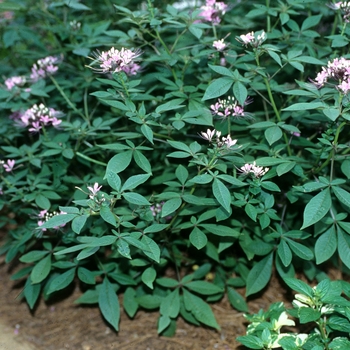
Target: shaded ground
<point>62,325</point>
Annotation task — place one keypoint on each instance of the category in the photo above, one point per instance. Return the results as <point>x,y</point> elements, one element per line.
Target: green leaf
<point>342,195</point>
<point>86,252</point>
<point>331,113</point>
<point>153,251</point>
<point>200,309</point>
<point>345,168</point>
<point>61,281</point>
<point>251,342</point>
<point>32,256</point>
<point>237,300</point>
<point>317,208</point>
<point>41,270</point>
<point>129,302</point>
<point>271,186</point>
<point>164,320</point>
<point>285,168</point>
<point>142,161</point>
<point>134,181</point>
<point>343,248</point>
<point>203,287</point>
<point>221,230</point>
<point>31,292</point>
<point>107,215</point>
<point>78,223</point>
<point>326,245</point>
<point>135,198</point>
<point>86,275</point>
<point>310,21</point>
<point>182,174</point>
<point>113,180</point>
<point>57,221</point>
<point>149,301</point>
<point>284,253</point>
<point>300,250</point>
<point>240,92</point>
<point>119,162</point>
<point>109,304</point>
<point>42,202</point>
<point>148,277</point>
<point>302,106</point>
<point>198,238</point>
<point>147,132</point>
<point>273,134</point>
<point>299,286</point>
<point>259,275</point>
<point>222,194</point>
<point>170,206</point>
<point>307,314</point>
<point>218,88</point>
<point>170,305</point>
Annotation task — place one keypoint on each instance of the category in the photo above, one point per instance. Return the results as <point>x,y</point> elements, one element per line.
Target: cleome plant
<point>166,156</point>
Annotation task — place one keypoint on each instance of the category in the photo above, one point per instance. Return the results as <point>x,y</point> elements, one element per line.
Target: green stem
<point>90,159</point>
<point>273,104</point>
<point>332,154</point>
<point>268,29</point>
<point>66,97</point>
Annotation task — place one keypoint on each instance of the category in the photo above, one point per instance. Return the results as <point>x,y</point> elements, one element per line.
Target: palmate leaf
<point>259,275</point>
<point>317,208</point>
<point>109,304</point>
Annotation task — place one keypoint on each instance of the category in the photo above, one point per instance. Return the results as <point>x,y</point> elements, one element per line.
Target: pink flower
<point>247,38</point>
<point>253,169</point>
<point>208,135</point>
<point>8,166</point>
<point>212,11</point>
<point>115,61</point>
<point>14,81</point>
<point>93,190</point>
<point>219,45</point>
<point>44,67</point>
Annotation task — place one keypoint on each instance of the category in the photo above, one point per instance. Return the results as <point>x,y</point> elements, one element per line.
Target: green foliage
<point>172,180</point>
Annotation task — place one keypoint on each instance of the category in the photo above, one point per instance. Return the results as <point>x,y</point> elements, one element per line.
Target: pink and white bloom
<point>115,61</point>
<point>229,107</point>
<point>44,67</point>
<point>253,169</point>
<point>93,190</point>
<point>213,10</point>
<point>8,166</point>
<point>14,81</point>
<point>219,45</point>
<point>38,116</point>
<point>209,134</point>
<point>252,39</point>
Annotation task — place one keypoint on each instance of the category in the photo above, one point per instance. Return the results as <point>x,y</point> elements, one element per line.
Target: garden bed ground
<point>62,325</point>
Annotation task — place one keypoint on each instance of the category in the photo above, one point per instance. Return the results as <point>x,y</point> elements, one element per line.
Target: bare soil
<point>60,324</point>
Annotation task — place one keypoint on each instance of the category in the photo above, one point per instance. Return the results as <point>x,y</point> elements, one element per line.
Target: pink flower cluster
<point>44,67</point>
<point>338,70</point>
<point>253,169</point>
<point>8,165</point>
<point>115,61</point>
<point>252,39</point>
<point>17,81</point>
<point>38,116</point>
<point>220,141</point>
<point>344,6</point>
<point>93,190</point>
<point>212,10</point>
<point>228,108</point>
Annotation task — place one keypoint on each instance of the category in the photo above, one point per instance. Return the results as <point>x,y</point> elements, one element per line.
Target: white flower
<point>209,134</point>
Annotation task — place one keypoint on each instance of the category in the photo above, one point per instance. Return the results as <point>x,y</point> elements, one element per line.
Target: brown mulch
<point>60,324</point>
